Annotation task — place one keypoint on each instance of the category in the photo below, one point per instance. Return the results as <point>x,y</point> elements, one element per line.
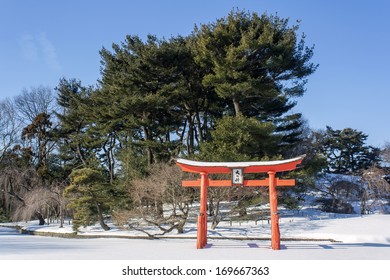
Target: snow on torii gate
<point>238,169</point>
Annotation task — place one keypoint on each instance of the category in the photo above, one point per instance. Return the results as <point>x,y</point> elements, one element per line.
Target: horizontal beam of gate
<point>247,183</point>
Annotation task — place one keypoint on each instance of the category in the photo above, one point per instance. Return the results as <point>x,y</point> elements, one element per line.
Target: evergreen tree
<point>89,197</point>
<point>199,105</point>
<point>347,152</point>
<point>240,139</point>
<point>76,146</point>
<point>140,78</point>
<point>258,65</point>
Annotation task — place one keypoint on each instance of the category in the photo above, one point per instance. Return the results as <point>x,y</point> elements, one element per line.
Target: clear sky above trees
<point>42,41</point>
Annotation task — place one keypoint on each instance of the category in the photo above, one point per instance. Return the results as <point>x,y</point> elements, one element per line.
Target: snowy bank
<point>342,228</point>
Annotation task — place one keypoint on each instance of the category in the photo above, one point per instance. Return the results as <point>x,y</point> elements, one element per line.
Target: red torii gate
<point>237,169</point>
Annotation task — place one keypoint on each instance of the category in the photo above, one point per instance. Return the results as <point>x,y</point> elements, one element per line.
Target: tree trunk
<point>237,107</point>
<point>180,226</point>
<point>242,208</point>
<point>41,219</point>
<point>61,217</point>
<point>216,219</point>
<point>100,217</point>
<point>159,208</point>
<point>211,206</point>
<point>363,200</point>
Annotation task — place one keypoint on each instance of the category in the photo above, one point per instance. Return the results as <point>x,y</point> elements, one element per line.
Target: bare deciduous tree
<point>8,127</point>
<point>337,191</point>
<point>25,196</point>
<point>15,183</point>
<point>377,191</point>
<point>160,199</point>
<point>385,153</point>
<point>42,202</point>
<point>37,100</point>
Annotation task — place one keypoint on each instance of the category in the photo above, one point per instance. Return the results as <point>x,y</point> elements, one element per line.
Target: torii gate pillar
<point>273,201</point>
<point>269,167</point>
<point>202,218</point>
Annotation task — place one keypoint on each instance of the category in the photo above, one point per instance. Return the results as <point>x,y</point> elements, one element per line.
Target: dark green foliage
<point>239,139</point>
<point>77,147</point>
<point>139,80</point>
<point>167,95</point>
<point>258,64</point>
<point>347,152</point>
<point>89,197</point>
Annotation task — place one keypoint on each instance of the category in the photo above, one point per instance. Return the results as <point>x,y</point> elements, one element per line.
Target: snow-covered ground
<point>363,246</point>
<point>358,237</point>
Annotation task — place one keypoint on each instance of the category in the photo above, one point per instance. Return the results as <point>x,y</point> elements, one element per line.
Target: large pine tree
<point>258,65</point>
<point>76,146</point>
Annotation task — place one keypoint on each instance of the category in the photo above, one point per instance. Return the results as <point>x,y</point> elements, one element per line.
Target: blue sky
<point>44,40</point>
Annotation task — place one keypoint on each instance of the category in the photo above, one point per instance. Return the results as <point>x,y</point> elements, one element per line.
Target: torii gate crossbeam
<point>269,167</point>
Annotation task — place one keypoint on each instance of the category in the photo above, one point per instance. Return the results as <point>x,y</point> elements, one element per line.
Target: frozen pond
<point>14,246</point>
